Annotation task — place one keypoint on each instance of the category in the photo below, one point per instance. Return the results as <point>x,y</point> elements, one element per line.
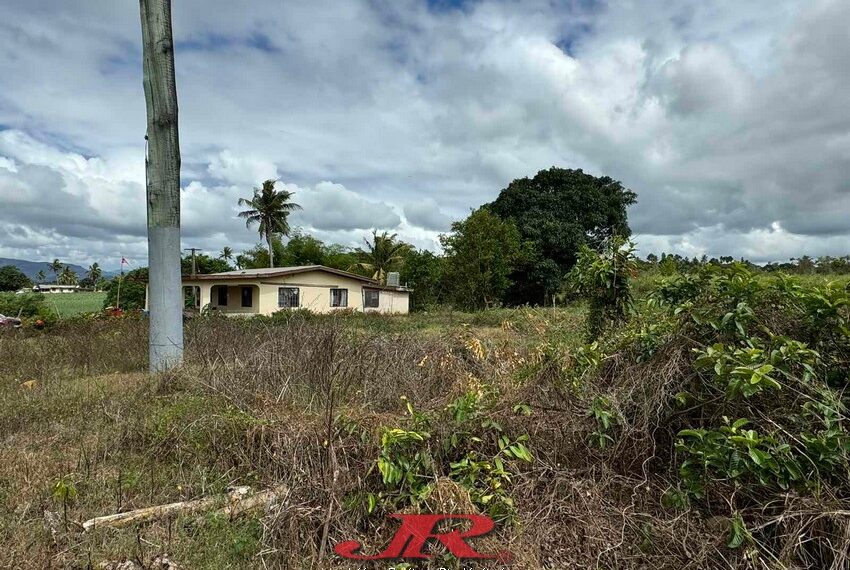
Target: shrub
<point>132,293</point>
<point>12,279</point>
<point>30,305</point>
<point>741,383</point>
<point>604,278</point>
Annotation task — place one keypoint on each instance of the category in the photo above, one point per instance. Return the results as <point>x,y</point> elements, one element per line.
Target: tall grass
<point>308,401</point>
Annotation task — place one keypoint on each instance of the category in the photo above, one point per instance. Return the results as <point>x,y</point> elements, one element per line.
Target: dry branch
<point>237,502</point>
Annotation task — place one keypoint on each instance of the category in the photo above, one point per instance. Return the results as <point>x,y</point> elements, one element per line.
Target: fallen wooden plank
<point>232,504</point>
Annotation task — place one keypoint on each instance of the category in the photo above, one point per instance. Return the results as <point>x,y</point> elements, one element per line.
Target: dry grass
<point>303,403</point>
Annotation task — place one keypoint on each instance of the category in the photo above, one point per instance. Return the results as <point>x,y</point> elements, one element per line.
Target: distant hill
<point>31,268</point>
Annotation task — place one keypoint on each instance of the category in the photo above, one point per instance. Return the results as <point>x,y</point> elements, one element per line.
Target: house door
<point>248,297</point>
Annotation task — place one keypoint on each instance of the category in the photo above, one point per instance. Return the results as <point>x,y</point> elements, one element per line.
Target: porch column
<point>205,295</point>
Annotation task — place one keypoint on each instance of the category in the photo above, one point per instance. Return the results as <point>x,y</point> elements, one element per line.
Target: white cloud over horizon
<point>728,119</point>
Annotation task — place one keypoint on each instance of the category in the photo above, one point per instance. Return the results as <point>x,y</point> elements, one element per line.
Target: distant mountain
<point>31,268</point>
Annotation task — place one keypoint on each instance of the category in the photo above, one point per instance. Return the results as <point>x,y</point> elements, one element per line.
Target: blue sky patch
<point>570,39</point>
<point>213,42</point>
<point>448,5</point>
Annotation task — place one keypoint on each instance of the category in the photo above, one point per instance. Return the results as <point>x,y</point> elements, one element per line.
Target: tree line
<point>13,279</point>
<point>516,250</point>
<point>671,263</point>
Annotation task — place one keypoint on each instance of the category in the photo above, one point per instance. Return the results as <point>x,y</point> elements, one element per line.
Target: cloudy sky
<point>729,119</point>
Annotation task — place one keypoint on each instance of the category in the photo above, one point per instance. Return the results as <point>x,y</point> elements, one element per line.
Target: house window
<point>287,297</point>
<point>247,296</point>
<point>371,298</point>
<point>339,297</point>
<point>222,296</point>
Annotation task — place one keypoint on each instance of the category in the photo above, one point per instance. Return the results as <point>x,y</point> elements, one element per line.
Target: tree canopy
<point>558,211</point>
<point>12,279</point>
<point>300,249</point>
<point>516,250</point>
<point>482,252</point>
<point>132,287</point>
<point>67,277</point>
<point>204,264</point>
<point>384,253</point>
<point>423,272</point>
<point>269,209</point>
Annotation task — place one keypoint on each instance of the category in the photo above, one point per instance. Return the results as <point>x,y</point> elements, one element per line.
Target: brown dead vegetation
<point>302,404</point>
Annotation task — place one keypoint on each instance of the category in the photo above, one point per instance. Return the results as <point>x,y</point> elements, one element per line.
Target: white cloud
<point>426,214</point>
<point>241,169</point>
<point>760,245</point>
<point>724,119</point>
<point>705,78</point>
<point>329,206</point>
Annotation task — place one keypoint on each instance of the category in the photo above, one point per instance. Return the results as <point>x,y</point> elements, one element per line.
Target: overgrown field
<point>708,431</point>
<point>51,306</point>
<point>69,305</point>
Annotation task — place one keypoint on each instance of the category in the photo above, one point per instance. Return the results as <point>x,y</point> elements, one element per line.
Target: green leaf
<point>738,532</point>
<point>697,433</point>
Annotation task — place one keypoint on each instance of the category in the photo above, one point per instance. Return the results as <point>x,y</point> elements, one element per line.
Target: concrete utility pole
<point>194,272</point>
<point>194,264</point>
<point>162,172</point>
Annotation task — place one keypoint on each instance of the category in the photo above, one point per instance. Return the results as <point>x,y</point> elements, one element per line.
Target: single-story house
<point>54,288</point>
<point>315,287</point>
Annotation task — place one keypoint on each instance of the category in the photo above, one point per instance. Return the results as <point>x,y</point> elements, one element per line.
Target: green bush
<point>773,354</point>
<point>741,380</point>
<point>30,305</point>
<point>132,293</point>
<point>12,279</point>
<point>604,278</point>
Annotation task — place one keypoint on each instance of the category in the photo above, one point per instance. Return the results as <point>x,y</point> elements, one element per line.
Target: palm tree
<point>382,255</point>
<point>94,274</point>
<point>67,277</point>
<point>269,208</point>
<point>56,267</point>
<point>40,276</point>
<point>226,253</point>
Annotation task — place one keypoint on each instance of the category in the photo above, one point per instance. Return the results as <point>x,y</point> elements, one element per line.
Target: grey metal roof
<point>267,271</point>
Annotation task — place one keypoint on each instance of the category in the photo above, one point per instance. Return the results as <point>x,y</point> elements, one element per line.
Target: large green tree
<point>269,209</point>
<point>204,264</point>
<point>303,249</point>
<point>482,252</point>
<point>424,272</point>
<point>132,290</point>
<point>558,211</point>
<point>12,279</point>
<point>300,249</point>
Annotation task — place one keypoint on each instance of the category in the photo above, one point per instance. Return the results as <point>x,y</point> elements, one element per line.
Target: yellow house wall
<point>314,294</point>
<point>234,298</point>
